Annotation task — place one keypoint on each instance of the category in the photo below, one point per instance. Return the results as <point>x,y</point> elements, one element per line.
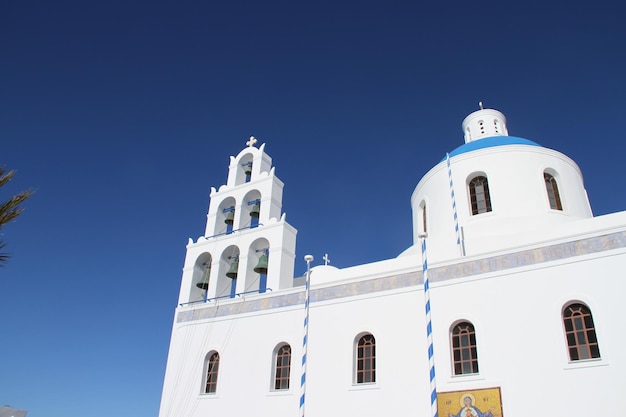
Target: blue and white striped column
<point>308,259</point>
<point>456,218</point>
<point>429,330</point>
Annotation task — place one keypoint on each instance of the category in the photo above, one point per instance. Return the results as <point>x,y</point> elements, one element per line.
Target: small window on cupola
<point>481,125</point>
<point>479,195</point>
<point>495,125</point>
<point>553,192</point>
<point>423,224</point>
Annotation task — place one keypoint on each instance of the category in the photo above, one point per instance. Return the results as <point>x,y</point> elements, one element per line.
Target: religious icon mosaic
<point>485,402</point>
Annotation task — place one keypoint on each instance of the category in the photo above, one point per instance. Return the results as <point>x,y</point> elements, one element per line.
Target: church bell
<point>234,266</point>
<point>256,208</point>
<point>247,168</point>
<point>204,283</point>
<point>261,266</point>
<point>230,217</point>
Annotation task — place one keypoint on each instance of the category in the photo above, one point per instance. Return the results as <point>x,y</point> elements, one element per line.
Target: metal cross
<point>326,259</point>
<point>251,142</point>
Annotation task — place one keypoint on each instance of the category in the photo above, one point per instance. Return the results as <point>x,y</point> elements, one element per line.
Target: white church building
<point>524,284</point>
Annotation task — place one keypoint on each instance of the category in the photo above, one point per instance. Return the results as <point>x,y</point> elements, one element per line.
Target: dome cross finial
<point>480,104</point>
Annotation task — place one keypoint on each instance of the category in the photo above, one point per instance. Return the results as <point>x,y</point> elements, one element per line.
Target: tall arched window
<point>580,332</point>
<point>553,192</point>
<point>423,227</point>
<point>282,367</point>
<point>366,359</point>
<point>464,353</point>
<point>479,195</point>
<point>212,368</point>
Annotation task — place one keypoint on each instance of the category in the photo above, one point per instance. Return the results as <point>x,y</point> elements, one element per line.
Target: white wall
<point>521,346</point>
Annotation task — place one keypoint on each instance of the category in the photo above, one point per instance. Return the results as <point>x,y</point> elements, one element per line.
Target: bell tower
<point>247,247</point>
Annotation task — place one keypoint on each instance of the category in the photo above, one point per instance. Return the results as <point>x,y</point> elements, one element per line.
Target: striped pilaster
<point>305,342</point>
<point>456,218</point>
<point>429,333</point>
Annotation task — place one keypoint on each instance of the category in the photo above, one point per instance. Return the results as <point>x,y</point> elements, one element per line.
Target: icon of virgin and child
<point>468,409</point>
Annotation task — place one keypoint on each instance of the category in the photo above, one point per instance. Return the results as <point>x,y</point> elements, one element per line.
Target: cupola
<point>484,123</point>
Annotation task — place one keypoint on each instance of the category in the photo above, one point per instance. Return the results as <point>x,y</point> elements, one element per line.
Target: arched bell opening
<point>244,169</point>
<point>200,278</point>
<point>251,209</point>
<point>225,218</point>
<point>228,272</point>
<point>258,261</point>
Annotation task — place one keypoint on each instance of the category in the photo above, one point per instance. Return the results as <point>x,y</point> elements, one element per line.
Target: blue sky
<point>122,115</point>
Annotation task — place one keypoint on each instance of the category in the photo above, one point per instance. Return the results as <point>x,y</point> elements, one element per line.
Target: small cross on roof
<point>251,142</point>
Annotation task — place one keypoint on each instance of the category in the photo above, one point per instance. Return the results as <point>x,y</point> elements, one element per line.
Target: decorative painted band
<point>468,268</point>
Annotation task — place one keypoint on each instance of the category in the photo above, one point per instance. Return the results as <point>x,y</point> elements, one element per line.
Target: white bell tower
<point>247,247</point>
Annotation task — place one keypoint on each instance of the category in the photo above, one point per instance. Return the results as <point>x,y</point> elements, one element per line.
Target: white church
<point>507,304</point>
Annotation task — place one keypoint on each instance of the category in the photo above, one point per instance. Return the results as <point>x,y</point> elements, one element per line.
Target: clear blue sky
<point>123,114</point>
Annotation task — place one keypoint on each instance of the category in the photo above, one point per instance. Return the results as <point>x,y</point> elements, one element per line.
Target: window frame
<point>422,225</point>
<point>552,190</point>
<point>475,206</point>
<point>365,359</point>
<point>590,346</point>
<point>281,380</point>
<point>211,373</point>
<point>464,353</point>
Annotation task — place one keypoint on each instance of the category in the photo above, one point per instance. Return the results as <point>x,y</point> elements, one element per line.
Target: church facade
<point>523,281</point>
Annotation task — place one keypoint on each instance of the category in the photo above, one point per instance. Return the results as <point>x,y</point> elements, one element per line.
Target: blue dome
<point>491,142</point>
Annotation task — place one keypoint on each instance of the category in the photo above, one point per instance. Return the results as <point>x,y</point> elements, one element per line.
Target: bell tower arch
<point>247,247</point>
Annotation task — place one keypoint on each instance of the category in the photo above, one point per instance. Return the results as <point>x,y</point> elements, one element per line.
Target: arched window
<point>580,333</point>
<point>422,226</point>
<point>366,359</point>
<point>282,367</point>
<point>553,192</point>
<point>464,353</point>
<point>212,368</point>
<point>479,195</point>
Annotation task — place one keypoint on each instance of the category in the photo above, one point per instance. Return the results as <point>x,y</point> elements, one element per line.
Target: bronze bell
<point>230,217</point>
<point>256,208</point>
<point>247,168</point>
<point>234,266</point>
<point>261,266</point>
<point>204,283</point>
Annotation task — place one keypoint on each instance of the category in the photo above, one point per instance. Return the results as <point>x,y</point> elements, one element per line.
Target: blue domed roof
<point>491,142</point>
